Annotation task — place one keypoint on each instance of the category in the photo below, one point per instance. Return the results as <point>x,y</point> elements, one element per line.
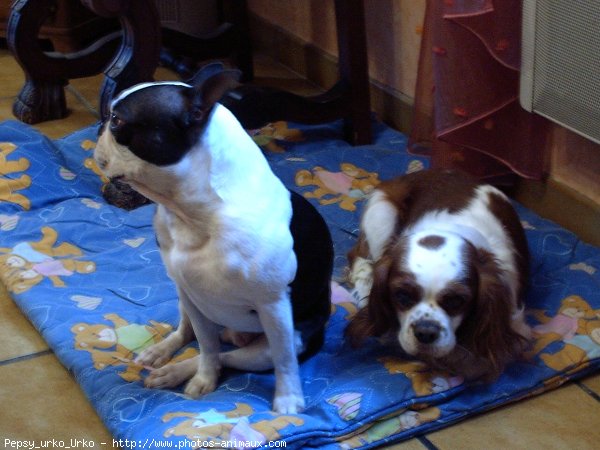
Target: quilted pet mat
<point>89,277</point>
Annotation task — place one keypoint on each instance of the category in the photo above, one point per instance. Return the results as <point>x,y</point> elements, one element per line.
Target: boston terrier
<point>251,260</point>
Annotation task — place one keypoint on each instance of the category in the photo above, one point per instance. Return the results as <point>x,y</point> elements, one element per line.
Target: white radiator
<point>560,69</point>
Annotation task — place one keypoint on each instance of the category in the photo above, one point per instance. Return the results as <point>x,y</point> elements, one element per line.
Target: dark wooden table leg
<point>348,99</point>
<point>42,97</point>
<point>236,13</point>
<point>354,69</point>
<point>139,53</point>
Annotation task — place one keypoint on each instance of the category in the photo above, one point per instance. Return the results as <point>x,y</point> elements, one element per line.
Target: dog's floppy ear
<point>210,84</point>
<point>378,317</point>
<point>489,334</point>
<point>381,310</point>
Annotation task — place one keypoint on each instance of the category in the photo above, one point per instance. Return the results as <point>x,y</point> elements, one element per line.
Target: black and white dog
<point>251,260</point>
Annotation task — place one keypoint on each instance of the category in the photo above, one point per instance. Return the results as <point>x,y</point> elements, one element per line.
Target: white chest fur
<point>225,278</point>
<point>233,248</point>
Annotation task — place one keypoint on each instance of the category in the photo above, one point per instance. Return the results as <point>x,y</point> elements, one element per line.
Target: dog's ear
<point>488,332</point>
<point>212,88</point>
<point>381,310</point>
<point>205,72</point>
<point>359,328</point>
<point>378,317</point>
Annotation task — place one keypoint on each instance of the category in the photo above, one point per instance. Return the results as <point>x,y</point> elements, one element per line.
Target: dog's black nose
<point>426,331</point>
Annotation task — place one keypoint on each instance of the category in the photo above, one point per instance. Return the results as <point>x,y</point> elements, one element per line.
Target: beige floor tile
<point>89,89</point>
<point>592,382</point>
<point>17,335</point>
<point>6,108</point>
<point>79,114</point>
<point>46,403</point>
<point>567,418</point>
<point>79,117</point>
<point>11,74</point>
<point>412,444</point>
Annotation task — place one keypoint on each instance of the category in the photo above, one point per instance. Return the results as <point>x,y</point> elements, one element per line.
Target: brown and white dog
<point>245,253</point>
<point>443,262</point>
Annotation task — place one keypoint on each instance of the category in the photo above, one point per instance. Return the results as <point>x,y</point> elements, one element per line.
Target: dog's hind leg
<point>159,354</point>
<point>255,356</point>
<point>237,338</point>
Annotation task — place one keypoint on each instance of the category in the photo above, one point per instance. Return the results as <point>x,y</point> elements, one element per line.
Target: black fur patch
<point>154,124</point>
<point>311,288</point>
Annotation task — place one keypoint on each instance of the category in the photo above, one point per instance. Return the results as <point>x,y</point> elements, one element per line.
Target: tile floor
<point>50,404</point>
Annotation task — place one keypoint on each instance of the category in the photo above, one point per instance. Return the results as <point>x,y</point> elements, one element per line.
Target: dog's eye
<point>453,303</point>
<point>404,299</point>
<point>116,121</point>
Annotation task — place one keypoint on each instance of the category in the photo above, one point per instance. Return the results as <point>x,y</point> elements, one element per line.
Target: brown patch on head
<point>432,242</point>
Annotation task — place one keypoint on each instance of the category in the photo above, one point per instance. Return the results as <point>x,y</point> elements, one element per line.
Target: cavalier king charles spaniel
<point>441,263</point>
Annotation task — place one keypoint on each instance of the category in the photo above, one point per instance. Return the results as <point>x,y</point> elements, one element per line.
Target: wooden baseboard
<point>321,68</point>
<point>563,205</point>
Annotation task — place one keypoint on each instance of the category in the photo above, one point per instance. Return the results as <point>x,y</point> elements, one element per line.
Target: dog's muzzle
<point>427,331</point>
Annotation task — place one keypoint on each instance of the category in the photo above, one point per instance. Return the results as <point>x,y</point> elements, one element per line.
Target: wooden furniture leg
<point>42,97</point>
<point>348,99</point>
<point>138,55</point>
<point>354,69</point>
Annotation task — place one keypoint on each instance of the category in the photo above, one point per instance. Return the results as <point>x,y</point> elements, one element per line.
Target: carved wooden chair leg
<point>47,73</point>
<point>138,56</point>
<point>236,13</point>
<point>40,98</point>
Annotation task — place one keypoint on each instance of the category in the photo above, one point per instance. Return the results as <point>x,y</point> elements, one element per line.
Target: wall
<point>393,33</point>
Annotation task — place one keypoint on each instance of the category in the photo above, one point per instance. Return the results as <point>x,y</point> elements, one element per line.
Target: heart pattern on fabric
<point>134,243</point>
<point>86,302</point>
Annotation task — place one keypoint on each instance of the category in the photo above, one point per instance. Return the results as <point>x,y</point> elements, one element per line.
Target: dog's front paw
<point>202,383</point>
<point>156,355</point>
<point>171,375</point>
<point>288,404</point>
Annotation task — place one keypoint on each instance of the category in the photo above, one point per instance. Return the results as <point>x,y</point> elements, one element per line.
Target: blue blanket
<point>90,278</point>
